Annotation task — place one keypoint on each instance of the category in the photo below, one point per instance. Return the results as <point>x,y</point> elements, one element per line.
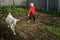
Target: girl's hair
<point>31,4</point>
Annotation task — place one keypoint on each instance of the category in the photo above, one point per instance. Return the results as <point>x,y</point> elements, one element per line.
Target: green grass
<point>49,12</point>
<point>58,24</point>
<point>16,9</point>
<point>52,30</point>
<point>23,25</point>
<point>49,21</point>
<point>21,10</point>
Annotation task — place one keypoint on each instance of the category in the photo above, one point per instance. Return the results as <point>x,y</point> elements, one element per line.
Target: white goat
<point>11,21</point>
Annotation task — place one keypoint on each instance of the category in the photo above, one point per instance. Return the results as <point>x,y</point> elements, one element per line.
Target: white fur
<point>11,21</point>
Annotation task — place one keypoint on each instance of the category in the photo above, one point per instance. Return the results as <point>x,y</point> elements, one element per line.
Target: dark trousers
<point>32,17</point>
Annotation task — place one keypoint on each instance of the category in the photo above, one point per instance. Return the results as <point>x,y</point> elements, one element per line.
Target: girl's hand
<point>28,15</point>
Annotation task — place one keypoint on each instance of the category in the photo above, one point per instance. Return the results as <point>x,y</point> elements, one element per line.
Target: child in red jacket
<point>31,12</point>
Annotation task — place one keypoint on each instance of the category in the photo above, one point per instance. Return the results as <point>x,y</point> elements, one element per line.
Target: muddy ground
<point>30,31</point>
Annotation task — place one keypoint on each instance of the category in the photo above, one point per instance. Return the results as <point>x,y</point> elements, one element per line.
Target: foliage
<point>58,24</point>
<point>49,12</point>
<point>24,25</point>
<point>49,22</point>
<point>3,11</point>
<point>52,30</point>
<point>13,9</point>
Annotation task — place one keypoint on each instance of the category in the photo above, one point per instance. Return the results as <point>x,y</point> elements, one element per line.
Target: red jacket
<point>32,9</point>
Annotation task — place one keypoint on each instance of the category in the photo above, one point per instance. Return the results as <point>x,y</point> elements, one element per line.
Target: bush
<point>49,12</point>
<point>51,30</point>
<point>3,12</point>
<point>54,31</point>
<point>13,9</point>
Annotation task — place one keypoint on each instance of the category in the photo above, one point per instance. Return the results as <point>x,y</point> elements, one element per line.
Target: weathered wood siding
<point>52,4</point>
<point>41,4</point>
<point>10,2</point>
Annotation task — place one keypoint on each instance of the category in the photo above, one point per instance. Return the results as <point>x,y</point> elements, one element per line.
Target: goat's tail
<point>18,19</point>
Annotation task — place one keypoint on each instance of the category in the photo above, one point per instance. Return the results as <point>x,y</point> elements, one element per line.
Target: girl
<point>31,12</point>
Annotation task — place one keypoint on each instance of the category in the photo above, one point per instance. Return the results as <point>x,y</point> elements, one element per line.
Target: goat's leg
<point>12,27</point>
<point>14,30</point>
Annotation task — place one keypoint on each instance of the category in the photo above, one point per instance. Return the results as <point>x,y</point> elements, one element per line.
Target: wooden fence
<point>41,4</point>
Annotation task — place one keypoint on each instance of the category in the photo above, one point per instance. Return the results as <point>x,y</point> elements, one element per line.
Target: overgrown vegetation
<point>23,25</point>
<point>55,13</point>
<point>21,9</point>
<point>3,11</point>
<point>52,30</point>
<point>16,9</point>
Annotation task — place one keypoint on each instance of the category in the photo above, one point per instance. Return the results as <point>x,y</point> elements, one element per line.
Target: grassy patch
<point>49,12</point>
<point>58,24</point>
<point>49,22</point>
<point>52,30</point>
<point>18,31</point>
<point>5,10</point>
<point>20,9</point>
<point>24,25</point>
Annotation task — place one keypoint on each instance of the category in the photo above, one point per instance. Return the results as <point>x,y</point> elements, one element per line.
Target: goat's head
<point>9,13</point>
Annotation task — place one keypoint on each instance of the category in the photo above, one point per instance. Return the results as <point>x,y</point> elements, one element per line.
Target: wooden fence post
<point>58,6</point>
<point>47,5</point>
<point>0,3</point>
<point>13,5</point>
